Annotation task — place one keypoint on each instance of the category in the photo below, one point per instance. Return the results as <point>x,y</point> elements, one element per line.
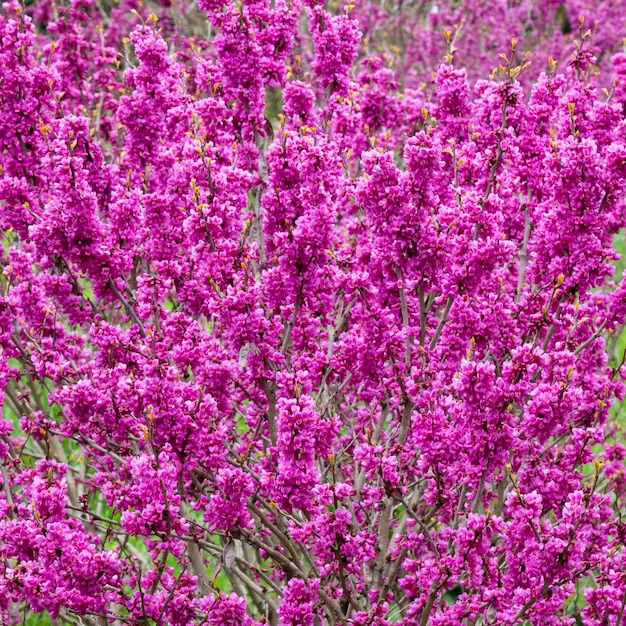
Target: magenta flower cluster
<point>311,313</point>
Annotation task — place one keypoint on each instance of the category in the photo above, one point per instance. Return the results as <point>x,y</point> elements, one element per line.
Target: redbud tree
<point>311,314</point>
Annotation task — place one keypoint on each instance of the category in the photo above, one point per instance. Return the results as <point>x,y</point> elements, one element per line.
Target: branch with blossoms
<point>310,316</point>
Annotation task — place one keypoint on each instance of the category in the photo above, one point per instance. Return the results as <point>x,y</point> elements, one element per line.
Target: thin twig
<point>128,307</point>
<point>442,322</point>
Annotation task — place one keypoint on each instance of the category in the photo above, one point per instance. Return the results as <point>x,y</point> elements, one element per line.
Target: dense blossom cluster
<point>309,312</point>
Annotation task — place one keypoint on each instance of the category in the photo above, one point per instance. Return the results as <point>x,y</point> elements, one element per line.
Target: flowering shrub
<point>310,314</point>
